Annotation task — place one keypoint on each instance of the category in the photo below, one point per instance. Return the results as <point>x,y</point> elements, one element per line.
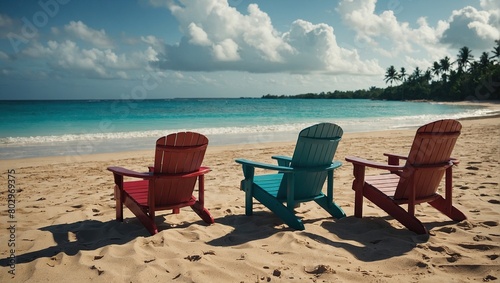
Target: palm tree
<point>496,52</point>
<point>402,74</point>
<point>427,75</point>
<point>391,75</point>
<point>436,68</point>
<point>416,75</point>
<point>445,67</point>
<point>465,58</point>
<point>484,60</point>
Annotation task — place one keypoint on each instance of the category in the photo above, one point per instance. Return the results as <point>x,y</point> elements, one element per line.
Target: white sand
<point>66,232</point>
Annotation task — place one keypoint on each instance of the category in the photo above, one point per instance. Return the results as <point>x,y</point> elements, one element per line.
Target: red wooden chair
<point>416,181</point>
<point>169,184</point>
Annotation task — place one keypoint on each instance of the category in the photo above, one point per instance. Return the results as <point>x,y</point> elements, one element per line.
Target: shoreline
<point>89,145</point>
<point>119,155</point>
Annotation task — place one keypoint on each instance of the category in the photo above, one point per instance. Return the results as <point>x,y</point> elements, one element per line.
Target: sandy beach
<point>65,229</point>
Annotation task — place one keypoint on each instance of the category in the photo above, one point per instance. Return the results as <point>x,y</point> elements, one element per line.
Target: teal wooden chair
<point>297,179</point>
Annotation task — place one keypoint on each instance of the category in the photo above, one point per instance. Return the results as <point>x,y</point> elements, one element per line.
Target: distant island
<point>469,80</point>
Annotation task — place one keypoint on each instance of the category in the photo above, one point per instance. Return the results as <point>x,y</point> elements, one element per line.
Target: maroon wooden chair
<point>169,184</point>
<point>416,181</point>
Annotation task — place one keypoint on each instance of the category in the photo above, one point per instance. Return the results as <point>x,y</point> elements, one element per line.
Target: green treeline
<point>446,80</point>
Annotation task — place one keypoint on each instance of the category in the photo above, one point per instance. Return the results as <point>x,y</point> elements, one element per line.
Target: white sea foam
<point>349,125</point>
<point>281,130</point>
<point>146,134</point>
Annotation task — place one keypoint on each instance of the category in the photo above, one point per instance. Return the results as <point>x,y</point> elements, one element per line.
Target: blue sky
<point>148,49</point>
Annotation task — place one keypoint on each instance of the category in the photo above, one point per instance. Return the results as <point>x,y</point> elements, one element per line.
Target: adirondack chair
<point>299,178</point>
<point>169,184</point>
<point>416,181</point>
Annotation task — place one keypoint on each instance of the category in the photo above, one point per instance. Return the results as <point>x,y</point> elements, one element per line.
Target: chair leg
<point>151,227</point>
<point>444,207</point>
<point>119,204</point>
<point>331,208</point>
<point>248,197</point>
<point>147,219</point>
<point>199,205</point>
<point>358,202</point>
<point>394,210</point>
<point>203,213</point>
<point>358,186</point>
<point>279,209</point>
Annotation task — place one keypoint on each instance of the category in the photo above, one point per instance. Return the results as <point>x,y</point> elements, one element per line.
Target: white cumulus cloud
<point>384,33</point>
<point>96,37</point>
<point>67,57</point>
<point>219,37</point>
<point>226,50</point>
<point>474,28</point>
<point>198,35</point>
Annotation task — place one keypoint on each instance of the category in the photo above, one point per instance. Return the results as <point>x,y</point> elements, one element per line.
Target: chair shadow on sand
<point>383,240</point>
<point>373,239</point>
<point>86,235</point>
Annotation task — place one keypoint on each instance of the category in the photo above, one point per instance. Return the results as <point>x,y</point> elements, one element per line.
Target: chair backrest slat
<point>177,153</point>
<point>180,153</point>
<point>430,152</point>
<point>316,146</point>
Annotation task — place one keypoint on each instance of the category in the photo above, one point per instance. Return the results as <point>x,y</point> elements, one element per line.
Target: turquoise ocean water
<point>51,128</point>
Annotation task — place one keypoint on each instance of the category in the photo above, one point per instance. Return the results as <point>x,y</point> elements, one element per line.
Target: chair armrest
<point>282,160</point>
<point>395,157</point>
<point>360,161</point>
<point>129,173</point>
<point>334,165</point>
<point>202,171</point>
<point>398,156</point>
<point>150,175</point>
<point>263,165</point>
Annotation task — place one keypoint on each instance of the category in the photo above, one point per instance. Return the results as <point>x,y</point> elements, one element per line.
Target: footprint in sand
<point>99,271</point>
<point>478,247</point>
<point>454,257</point>
<point>438,249</point>
<point>466,225</point>
<point>489,278</point>
<point>492,257</point>
<point>472,168</point>
<point>489,183</point>
<point>422,264</point>
<point>447,230</point>
<point>490,223</point>
<point>479,238</point>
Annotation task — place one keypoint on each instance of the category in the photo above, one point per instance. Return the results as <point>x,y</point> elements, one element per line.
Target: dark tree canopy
<point>469,79</point>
